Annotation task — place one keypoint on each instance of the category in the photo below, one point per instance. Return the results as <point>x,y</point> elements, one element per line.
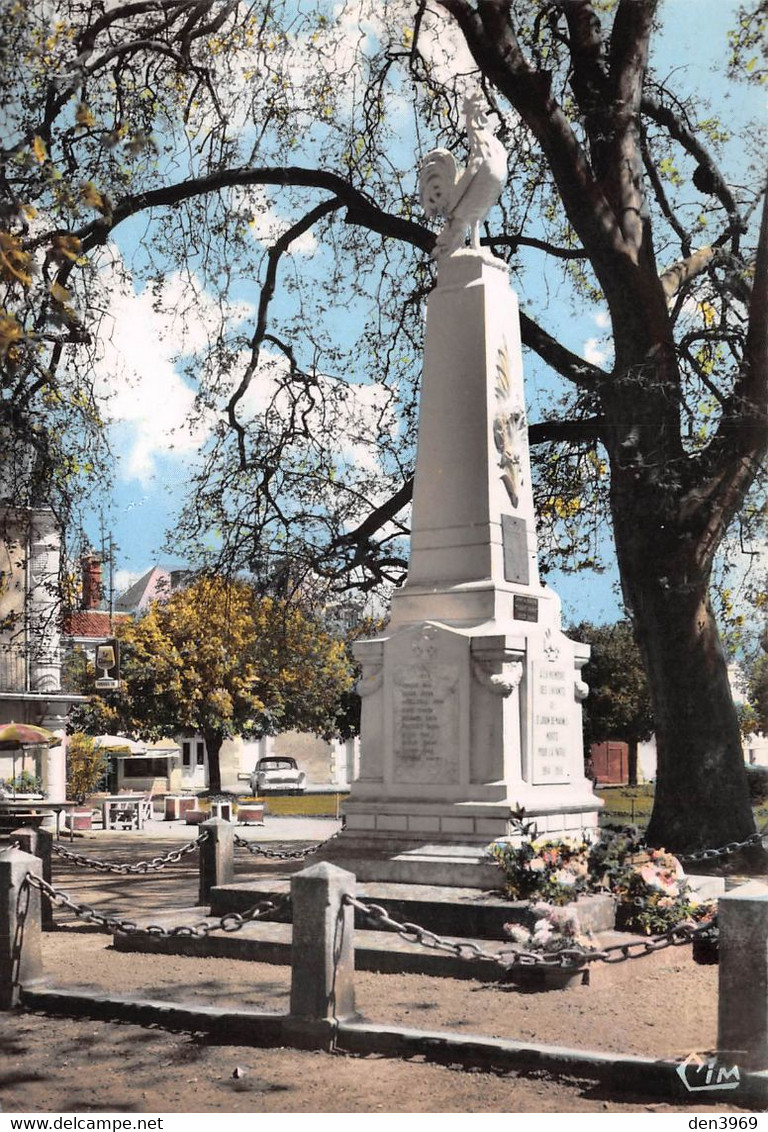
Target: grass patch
<point>302,805</point>
<point>626,805</point>
<point>632,805</point>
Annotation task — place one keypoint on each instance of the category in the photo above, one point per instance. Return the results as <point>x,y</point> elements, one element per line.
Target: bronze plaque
<point>525,608</point>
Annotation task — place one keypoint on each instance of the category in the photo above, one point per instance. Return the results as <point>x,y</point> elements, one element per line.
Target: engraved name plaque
<point>525,608</point>
<point>552,702</point>
<point>515,545</point>
<point>426,723</point>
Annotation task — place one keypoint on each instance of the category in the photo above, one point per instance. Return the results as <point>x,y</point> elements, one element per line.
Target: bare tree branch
<point>710,179</point>
<point>563,361</point>
<point>675,277</point>
<point>547,432</point>
<point>281,245</point>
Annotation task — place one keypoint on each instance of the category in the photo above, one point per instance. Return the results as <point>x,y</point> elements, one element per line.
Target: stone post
<point>21,960</point>
<point>323,959</point>
<point>217,856</point>
<point>38,842</point>
<point>742,1031</point>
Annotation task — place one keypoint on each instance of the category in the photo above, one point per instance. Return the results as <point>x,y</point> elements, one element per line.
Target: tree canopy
<point>230,143</point>
<point>619,704</point>
<point>219,660</point>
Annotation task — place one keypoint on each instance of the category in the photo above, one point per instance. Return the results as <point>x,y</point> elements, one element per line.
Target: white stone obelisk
<point>472,695</point>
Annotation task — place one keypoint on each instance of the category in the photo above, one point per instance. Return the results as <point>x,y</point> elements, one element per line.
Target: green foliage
<point>23,783</point>
<point>757,780</point>
<point>218,659</point>
<point>610,855</point>
<point>747,43</point>
<point>757,693</point>
<point>86,764</point>
<point>618,705</point>
<point>77,673</point>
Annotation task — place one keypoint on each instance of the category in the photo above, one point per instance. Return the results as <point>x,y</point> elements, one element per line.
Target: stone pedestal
<point>742,1036</point>
<point>472,696</point>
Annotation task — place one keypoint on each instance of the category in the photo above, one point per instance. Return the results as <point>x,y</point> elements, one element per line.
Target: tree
<point>754,710</point>
<point>206,122</point>
<point>618,705</point>
<point>218,660</point>
<point>86,764</point>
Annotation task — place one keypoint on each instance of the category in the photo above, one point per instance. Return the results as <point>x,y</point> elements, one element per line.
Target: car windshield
<point>276,764</point>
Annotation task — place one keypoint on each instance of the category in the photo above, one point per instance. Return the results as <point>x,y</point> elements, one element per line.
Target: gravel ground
<point>662,1007</point>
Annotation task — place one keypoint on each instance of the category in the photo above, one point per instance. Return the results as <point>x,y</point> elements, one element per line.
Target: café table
<point>44,806</point>
<point>121,809</point>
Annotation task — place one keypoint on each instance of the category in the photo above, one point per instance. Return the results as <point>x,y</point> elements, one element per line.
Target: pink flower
<point>518,934</point>
<point>659,879</point>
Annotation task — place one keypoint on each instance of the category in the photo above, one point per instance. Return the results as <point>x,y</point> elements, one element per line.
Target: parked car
<point>278,772</point>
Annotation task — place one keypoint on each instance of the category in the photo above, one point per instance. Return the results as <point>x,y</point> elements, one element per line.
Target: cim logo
<point>705,1074</point>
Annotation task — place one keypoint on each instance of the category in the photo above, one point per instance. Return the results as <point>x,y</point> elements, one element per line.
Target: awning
<point>160,749</point>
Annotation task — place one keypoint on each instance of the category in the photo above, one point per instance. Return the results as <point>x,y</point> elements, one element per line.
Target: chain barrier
<point>156,864</point>
<point>229,922</point>
<point>529,830</point>
<point>725,850</point>
<point>280,854</point>
<point>567,957</point>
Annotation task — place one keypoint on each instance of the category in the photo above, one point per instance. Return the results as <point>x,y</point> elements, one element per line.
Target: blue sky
<point>151,397</point>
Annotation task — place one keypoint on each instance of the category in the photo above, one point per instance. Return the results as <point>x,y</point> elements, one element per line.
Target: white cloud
<point>267,224</point>
<point>124,579</point>
<point>594,351</point>
<point>142,335</point>
<point>603,319</point>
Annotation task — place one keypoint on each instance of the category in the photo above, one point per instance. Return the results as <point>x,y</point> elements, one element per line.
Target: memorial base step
<point>388,953</point>
<point>445,910</point>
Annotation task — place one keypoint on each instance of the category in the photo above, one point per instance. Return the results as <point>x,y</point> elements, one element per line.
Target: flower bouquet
<point>555,870</point>
<point>654,895</point>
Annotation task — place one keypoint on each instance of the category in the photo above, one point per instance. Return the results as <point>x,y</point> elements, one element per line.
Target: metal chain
<point>152,866</point>
<point>529,830</point>
<point>725,850</point>
<point>229,922</point>
<point>565,958</point>
<point>280,854</point>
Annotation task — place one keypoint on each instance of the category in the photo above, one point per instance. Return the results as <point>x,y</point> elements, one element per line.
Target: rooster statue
<point>464,196</point>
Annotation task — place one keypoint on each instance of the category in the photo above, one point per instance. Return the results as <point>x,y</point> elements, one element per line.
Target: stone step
<point>388,953</point>
<point>461,912</point>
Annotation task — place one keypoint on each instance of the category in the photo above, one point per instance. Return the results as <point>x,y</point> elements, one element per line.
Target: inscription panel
<point>426,723</point>
<point>515,545</point>
<point>525,608</point>
<point>552,705</point>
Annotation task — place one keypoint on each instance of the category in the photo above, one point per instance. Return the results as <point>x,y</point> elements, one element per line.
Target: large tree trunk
<point>632,762</point>
<point>701,798</point>
<point>213,743</point>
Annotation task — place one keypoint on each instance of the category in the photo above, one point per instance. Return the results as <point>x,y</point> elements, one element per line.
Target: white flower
<point>563,876</point>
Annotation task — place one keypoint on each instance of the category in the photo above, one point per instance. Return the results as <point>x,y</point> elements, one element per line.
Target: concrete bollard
<point>742,1030</point>
<point>323,957</point>
<point>217,856</point>
<point>38,842</point>
<point>21,961</point>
